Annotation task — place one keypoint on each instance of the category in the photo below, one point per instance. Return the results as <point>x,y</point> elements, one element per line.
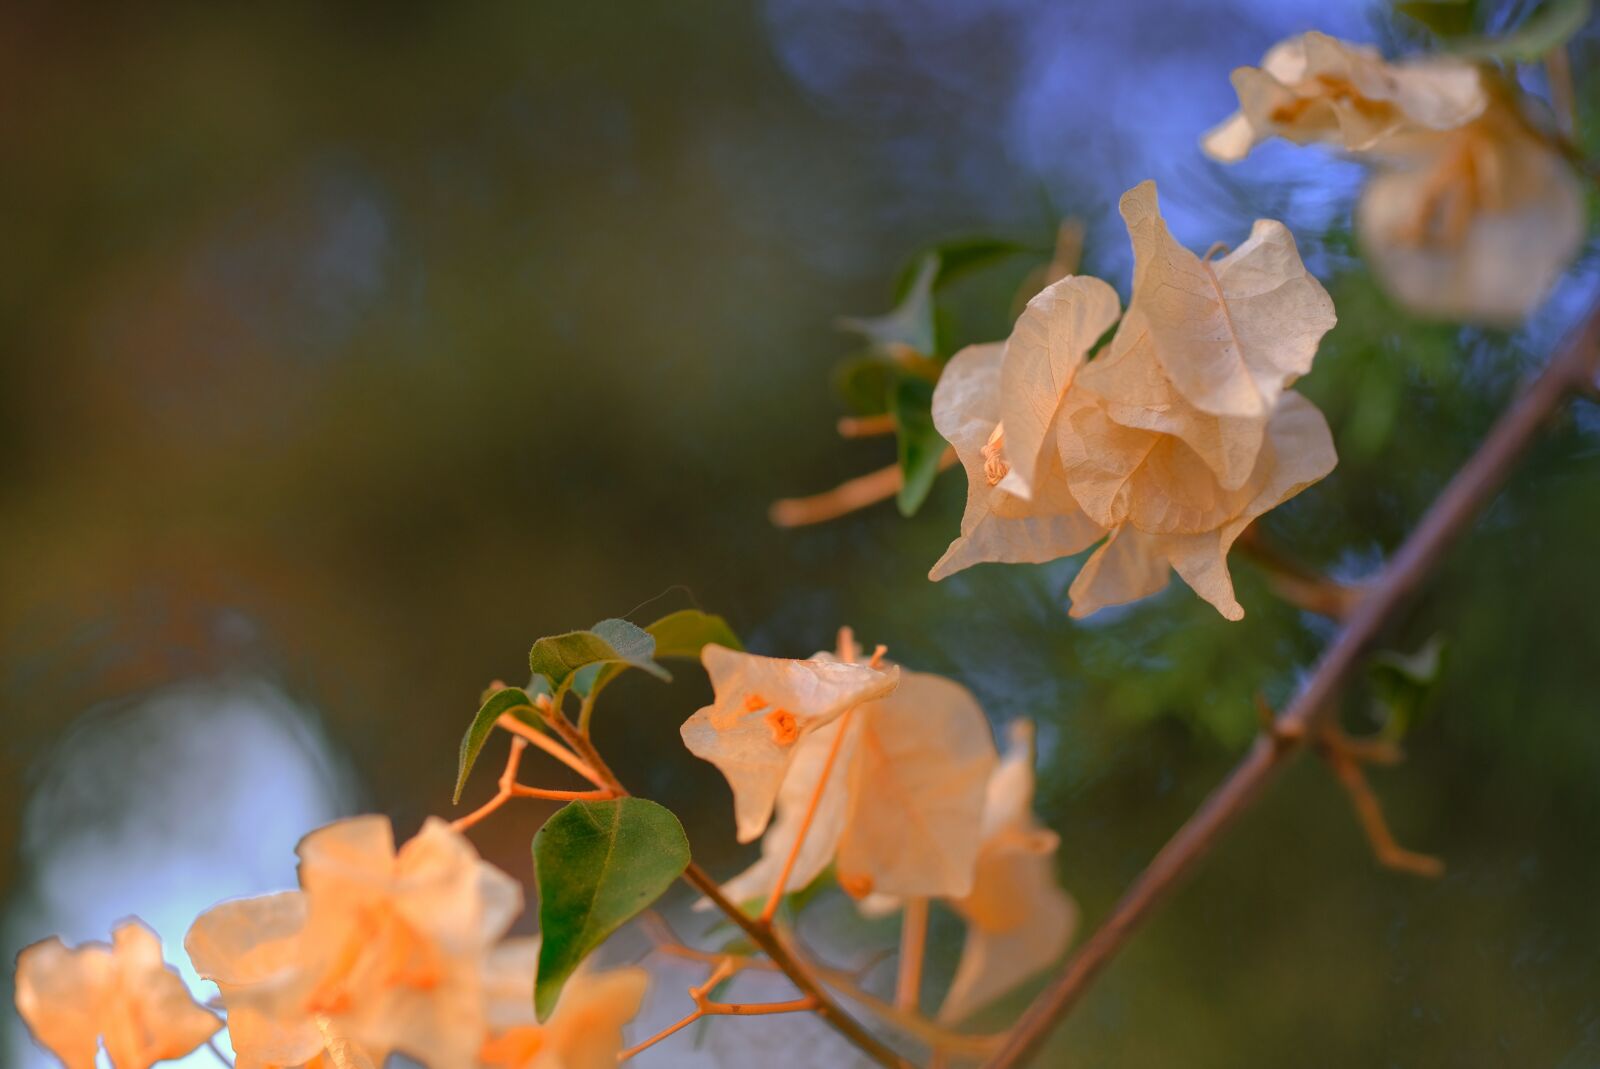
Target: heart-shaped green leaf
<point>563,659</point>
<point>512,700</point>
<point>686,632</point>
<point>597,865</point>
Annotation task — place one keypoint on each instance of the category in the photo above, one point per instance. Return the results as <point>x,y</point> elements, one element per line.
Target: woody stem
<point>1469,492</point>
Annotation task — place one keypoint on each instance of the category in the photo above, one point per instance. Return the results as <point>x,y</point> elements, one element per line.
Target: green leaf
<point>1548,28</point>
<point>960,257</point>
<point>910,323</point>
<point>510,700</point>
<point>1402,684</point>
<point>686,632</point>
<point>1446,18</point>
<point>561,658</point>
<point>863,382</point>
<point>597,865</point>
<point>918,441</point>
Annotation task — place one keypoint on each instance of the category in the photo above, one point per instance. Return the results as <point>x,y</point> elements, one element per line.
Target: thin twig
<point>913,940</point>
<point>1469,492</point>
<point>549,746</point>
<point>1347,768</point>
<point>849,496</point>
<point>866,426</point>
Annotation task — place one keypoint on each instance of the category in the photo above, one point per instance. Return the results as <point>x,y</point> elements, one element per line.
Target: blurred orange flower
<point>123,994</point>
<point>381,949</point>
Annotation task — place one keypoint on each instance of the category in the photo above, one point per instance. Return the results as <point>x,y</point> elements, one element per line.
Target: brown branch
<point>1472,489</point>
<point>761,935</point>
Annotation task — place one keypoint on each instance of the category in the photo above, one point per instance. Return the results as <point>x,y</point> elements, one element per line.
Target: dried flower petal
<point>1315,88</point>
<point>1047,346</point>
<point>997,524</point>
<point>1019,920</point>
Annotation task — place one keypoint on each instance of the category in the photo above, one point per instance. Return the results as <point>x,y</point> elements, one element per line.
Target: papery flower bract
<point>901,812</point>
<point>1169,443</point>
<point>1473,224</point>
<point>762,709</point>
<point>584,1032</point>
<point>123,994</point>
<point>999,525</point>
<point>1019,920</point>
<point>381,949</point>
<point>1317,89</point>
<point>1047,347</point>
<point>1471,212</point>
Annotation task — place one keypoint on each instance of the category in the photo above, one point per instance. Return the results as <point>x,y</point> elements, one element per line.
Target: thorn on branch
<point>1346,757</point>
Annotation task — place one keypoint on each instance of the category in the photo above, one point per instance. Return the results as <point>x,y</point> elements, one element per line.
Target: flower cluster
<point>1169,443</point>
<point>895,782</point>
<point>1471,212</point>
<point>379,951</point>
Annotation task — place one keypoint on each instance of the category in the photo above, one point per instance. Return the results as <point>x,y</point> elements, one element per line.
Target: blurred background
<point>348,351</point>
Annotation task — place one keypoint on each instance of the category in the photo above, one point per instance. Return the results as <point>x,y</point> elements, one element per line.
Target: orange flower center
<point>856,885</point>
<point>995,466</point>
<point>785,730</point>
<point>382,949</point>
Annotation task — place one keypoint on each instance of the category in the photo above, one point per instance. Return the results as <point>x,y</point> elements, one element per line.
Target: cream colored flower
<point>584,1032</point>
<point>900,813</point>
<point>1474,224</point>
<point>1317,89</point>
<point>763,708</point>
<point>1471,212</point>
<point>1170,442</point>
<point>124,995</point>
<point>381,950</point>
<point>1019,920</point>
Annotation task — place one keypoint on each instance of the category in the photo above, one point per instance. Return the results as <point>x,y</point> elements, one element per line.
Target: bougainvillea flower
<point>1168,507</point>
<point>1170,442</point>
<point>584,1032</point>
<point>380,949</point>
<point>901,812</point>
<point>763,708</point>
<point>124,995</point>
<point>1047,347</point>
<point>999,525</point>
<point>1471,212</point>
<point>1019,920</point>
<point>1474,224</point>
<point>1317,89</point>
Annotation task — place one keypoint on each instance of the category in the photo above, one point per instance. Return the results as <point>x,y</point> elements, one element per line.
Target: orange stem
<point>659,1036</point>
<point>599,795</point>
<point>805,825</point>
<point>551,747</point>
<point>866,426</point>
<point>850,496</point>
<point>913,941</point>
